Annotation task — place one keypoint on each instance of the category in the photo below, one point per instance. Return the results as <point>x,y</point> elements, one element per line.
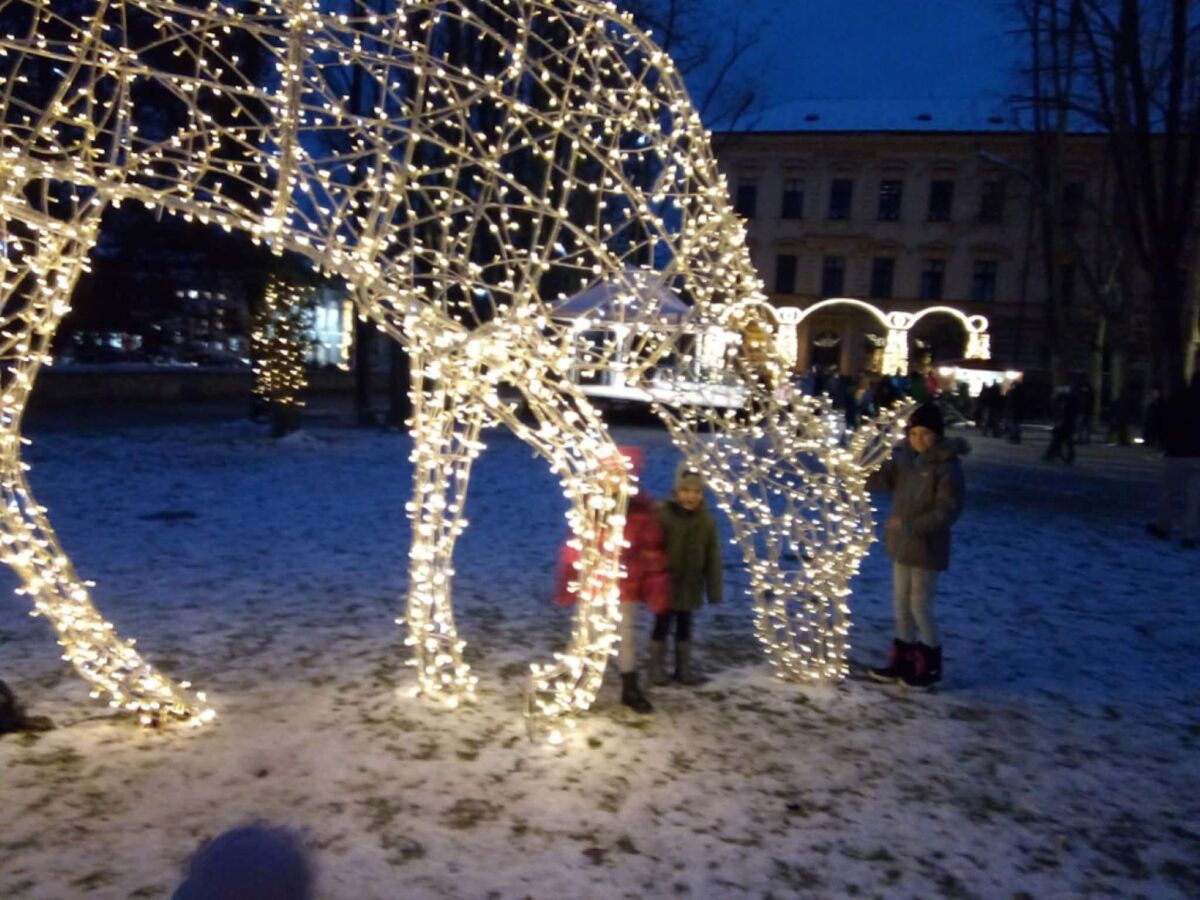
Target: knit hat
<point>927,415</point>
<point>688,475</point>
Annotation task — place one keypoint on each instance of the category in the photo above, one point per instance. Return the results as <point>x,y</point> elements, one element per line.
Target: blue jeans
<point>912,602</point>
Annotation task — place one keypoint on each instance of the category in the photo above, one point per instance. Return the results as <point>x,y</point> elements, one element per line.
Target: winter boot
<point>926,670</point>
<point>631,694</point>
<point>898,664</point>
<point>684,673</point>
<point>658,663</point>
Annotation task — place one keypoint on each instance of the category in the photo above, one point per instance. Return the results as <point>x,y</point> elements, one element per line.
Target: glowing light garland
<point>497,158</point>
<point>279,340</point>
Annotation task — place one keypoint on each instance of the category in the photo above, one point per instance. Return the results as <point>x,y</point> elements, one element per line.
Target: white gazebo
<point>613,322</point>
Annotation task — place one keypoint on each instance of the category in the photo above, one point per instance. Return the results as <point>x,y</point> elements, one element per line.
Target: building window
<point>841,193</point>
<point>1072,203</point>
<point>833,276</point>
<point>983,281</point>
<point>890,192</point>
<point>933,274</point>
<point>747,199</point>
<point>991,201</point>
<point>883,271</point>
<point>941,199</point>
<point>793,199</point>
<point>785,273</point>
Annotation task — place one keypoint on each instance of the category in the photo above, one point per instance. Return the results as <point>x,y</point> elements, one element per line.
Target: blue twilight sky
<point>872,50</point>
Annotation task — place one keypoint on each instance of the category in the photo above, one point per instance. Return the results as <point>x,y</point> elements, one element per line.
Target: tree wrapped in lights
<point>279,342</point>
<point>513,153</point>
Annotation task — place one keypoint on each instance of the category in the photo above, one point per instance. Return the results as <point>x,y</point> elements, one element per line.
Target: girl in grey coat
<point>926,481</point>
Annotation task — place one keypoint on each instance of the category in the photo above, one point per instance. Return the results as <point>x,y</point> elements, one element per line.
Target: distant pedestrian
<point>985,409</point>
<point>926,481</point>
<point>885,393</point>
<point>1152,420</point>
<point>1181,463</point>
<point>849,402</point>
<point>1087,403</point>
<point>933,385</point>
<point>1014,411</point>
<point>1062,435</point>
<point>1119,414</point>
<point>918,387</point>
<point>864,397</point>
<point>694,561</point>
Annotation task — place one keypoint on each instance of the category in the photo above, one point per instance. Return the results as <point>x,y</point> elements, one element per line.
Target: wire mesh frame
<point>464,166</point>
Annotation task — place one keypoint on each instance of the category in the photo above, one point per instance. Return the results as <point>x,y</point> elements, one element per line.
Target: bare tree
<point>708,40</point>
<point>1142,61</point>
<point>1052,30</point>
<point>1096,256</point>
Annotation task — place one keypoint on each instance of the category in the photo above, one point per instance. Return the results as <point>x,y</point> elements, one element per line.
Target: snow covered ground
<point>1059,759</point>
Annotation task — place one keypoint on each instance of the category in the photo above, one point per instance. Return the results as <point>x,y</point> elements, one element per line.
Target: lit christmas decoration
<point>279,344</point>
<point>899,324</point>
<point>466,167</point>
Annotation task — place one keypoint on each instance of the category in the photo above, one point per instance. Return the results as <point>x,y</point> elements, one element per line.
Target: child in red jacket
<point>646,580</point>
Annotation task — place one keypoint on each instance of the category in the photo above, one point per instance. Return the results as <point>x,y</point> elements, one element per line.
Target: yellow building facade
<point>907,219</point>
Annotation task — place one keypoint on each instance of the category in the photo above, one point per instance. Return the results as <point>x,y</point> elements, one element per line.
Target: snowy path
<point>1059,760</point>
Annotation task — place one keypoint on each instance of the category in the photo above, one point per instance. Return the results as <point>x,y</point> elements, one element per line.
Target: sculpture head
<point>480,163</point>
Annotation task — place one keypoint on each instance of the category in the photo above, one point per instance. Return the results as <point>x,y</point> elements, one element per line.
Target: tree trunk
<point>1171,335</point>
<point>1192,349</point>
<point>285,418</point>
<point>1096,374</point>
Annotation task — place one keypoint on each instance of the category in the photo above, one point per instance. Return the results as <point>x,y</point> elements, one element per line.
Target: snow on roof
<point>896,114</point>
<point>639,295</point>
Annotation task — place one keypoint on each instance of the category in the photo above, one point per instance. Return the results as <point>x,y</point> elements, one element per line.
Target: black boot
<point>658,663</point>
<point>926,668</point>
<point>898,663</point>
<point>631,694</point>
<point>684,672</point>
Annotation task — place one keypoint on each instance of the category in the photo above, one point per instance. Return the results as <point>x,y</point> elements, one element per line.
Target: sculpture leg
<point>801,517</point>
<point>445,431</point>
<point>37,276</point>
<point>568,433</point>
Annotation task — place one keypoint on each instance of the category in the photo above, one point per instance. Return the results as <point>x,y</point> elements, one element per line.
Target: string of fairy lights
<point>279,343</point>
<point>467,168</point>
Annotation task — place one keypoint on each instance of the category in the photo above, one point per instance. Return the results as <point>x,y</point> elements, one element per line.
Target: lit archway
<point>899,324</point>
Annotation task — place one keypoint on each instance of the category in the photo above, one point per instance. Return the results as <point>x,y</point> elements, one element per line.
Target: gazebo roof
<point>638,295</point>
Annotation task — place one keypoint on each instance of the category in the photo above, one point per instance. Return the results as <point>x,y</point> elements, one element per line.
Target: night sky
<point>882,49</point>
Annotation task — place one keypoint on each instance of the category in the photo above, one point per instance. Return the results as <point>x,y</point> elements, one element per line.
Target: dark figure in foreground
<point>251,862</point>
<point>926,481</point>
<point>1180,436</point>
<point>694,561</point>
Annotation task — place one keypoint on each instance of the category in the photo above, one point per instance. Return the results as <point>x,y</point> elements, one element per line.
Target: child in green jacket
<point>694,561</point>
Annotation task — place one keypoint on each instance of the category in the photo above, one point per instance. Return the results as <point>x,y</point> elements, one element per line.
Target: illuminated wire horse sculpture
<point>463,166</point>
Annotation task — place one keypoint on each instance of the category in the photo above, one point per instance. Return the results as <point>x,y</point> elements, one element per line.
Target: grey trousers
<point>627,630</point>
<point>912,602</point>
<point>1180,475</point>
